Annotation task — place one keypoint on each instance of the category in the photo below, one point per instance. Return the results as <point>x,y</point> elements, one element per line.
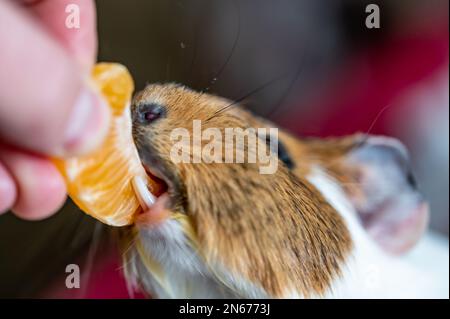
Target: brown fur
<point>275,230</point>
<point>331,154</point>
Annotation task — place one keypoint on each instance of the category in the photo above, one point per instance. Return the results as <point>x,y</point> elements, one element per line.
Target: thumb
<point>45,104</point>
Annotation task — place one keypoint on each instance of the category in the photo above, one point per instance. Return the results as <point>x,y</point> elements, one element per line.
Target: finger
<point>44,104</point>
<point>41,189</point>
<point>73,23</point>
<point>7,190</point>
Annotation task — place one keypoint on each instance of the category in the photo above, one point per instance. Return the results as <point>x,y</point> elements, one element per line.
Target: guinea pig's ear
<point>388,201</point>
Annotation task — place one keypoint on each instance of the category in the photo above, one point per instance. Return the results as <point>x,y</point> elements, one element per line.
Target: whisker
<point>258,89</point>
<point>197,25</point>
<point>90,257</point>
<point>233,48</point>
<point>130,246</point>
<point>377,117</point>
<point>286,93</point>
<point>76,229</point>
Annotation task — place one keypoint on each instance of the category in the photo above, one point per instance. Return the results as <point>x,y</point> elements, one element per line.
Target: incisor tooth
<point>145,197</point>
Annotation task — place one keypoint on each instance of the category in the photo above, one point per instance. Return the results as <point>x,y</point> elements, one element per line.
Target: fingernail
<point>87,125</point>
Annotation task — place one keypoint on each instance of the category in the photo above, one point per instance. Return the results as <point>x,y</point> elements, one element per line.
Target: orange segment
<point>100,182</point>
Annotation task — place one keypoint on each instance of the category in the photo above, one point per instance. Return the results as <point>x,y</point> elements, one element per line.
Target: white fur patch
<point>184,274</point>
<point>371,273</point>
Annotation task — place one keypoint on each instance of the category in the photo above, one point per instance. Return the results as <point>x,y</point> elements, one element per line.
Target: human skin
<point>46,107</point>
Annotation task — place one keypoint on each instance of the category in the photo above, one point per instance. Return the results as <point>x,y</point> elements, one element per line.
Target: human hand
<point>46,107</point>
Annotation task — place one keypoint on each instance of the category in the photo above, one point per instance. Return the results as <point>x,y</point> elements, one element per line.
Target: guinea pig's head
<point>169,123</point>
<point>251,205</point>
<point>269,226</point>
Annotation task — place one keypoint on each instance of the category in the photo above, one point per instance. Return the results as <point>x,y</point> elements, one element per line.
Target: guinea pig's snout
<point>148,113</point>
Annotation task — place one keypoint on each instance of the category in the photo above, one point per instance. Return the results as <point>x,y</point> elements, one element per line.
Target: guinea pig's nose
<point>148,113</point>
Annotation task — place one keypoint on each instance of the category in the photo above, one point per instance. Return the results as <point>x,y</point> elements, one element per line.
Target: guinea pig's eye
<point>149,113</point>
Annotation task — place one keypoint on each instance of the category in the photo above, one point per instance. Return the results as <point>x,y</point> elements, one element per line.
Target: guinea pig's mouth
<point>156,203</point>
<point>155,207</point>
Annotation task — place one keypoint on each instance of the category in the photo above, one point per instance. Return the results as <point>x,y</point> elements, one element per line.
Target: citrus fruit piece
<point>100,183</point>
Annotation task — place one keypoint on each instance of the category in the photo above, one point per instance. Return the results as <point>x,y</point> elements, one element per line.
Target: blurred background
<point>311,66</point>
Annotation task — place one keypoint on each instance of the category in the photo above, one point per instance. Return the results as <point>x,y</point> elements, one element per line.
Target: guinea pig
<point>330,221</point>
